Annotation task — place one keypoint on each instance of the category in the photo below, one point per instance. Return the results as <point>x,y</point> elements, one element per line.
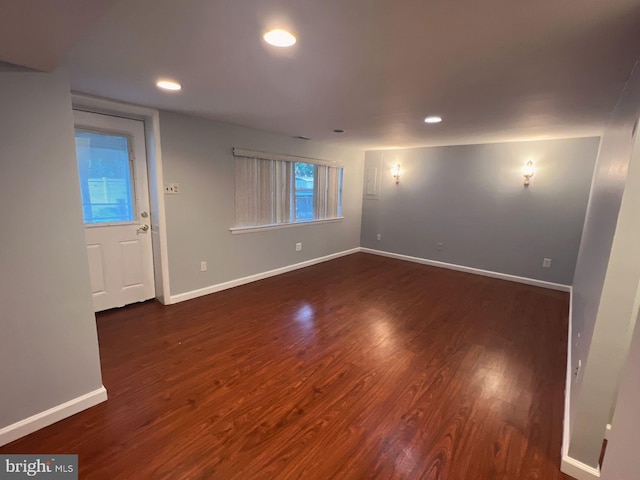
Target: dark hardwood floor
<point>361,367</point>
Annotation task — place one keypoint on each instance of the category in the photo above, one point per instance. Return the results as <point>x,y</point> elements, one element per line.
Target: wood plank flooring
<point>361,367</point>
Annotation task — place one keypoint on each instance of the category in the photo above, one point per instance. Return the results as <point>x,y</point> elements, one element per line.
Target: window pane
<point>105,177</point>
<point>304,190</point>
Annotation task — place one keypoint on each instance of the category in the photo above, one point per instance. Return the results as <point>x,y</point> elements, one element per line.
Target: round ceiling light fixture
<point>169,85</point>
<point>433,119</point>
<point>279,38</point>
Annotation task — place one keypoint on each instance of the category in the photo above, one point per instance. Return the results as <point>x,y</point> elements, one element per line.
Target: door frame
<point>151,119</point>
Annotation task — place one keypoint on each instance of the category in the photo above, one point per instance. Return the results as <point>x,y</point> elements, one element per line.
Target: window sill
<point>260,228</point>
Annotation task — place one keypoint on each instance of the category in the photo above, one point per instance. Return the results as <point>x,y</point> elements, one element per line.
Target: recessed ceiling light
<point>338,130</point>
<point>433,119</point>
<point>279,38</point>
<point>169,85</point>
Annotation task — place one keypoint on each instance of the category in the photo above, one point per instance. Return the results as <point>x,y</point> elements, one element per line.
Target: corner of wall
<point>569,465</point>
<point>43,419</point>
<point>578,470</point>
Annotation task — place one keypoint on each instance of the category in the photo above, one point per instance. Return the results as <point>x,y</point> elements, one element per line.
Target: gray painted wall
<point>606,279</point>
<point>622,461</point>
<point>472,199</point>
<point>48,342</point>
<point>197,154</point>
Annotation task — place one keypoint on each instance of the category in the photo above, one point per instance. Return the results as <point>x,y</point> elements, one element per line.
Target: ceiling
<point>495,70</point>
<point>38,33</point>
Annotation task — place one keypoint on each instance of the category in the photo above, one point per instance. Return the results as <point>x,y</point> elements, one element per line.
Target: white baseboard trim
<point>44,419</point>
<point>181,297</point>
<point>476,271</point>
<point>578,470</point>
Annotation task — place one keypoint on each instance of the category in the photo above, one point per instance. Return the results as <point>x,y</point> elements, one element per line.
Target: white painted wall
<point>606,279</point>
<point>48,341</point>
<point>197,154</point>
<point>622,461</point>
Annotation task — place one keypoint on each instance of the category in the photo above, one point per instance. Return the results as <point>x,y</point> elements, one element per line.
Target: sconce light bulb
<point>395,172</point>
<point>527,172</point>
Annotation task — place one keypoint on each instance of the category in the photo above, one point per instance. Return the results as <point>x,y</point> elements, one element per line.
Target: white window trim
<point>277,226</point>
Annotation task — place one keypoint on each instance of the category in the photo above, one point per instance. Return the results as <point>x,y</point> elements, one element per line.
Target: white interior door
<point>112,166</point>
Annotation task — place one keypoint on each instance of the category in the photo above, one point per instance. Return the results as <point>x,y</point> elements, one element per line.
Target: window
<point>274,189</point>
<point>305,173</point>
<point>105,177</point>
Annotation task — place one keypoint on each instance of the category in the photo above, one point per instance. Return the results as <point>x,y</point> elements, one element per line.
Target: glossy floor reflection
<point>361,367</point>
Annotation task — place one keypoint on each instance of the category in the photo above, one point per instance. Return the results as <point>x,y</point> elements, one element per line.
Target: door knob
<point>143,228</point>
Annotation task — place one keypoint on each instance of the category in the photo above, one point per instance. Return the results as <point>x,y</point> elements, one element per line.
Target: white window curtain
<point>265,188</point>
<point>333,192</point>
<point>263,191</point>
<point>327,191</point>
<point>320,191</point>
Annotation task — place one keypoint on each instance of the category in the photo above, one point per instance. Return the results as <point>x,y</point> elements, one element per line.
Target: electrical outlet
<point>378,237</point>
<point>577,370</point>
<point>203,266</point>
<point>439,246</point>
<point>298,247</point>
<point>546,263</point>
<point>171,189</point>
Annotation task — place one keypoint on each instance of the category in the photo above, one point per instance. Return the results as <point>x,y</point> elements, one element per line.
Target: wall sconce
<point>527,172</point>
<point>395,172</point>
